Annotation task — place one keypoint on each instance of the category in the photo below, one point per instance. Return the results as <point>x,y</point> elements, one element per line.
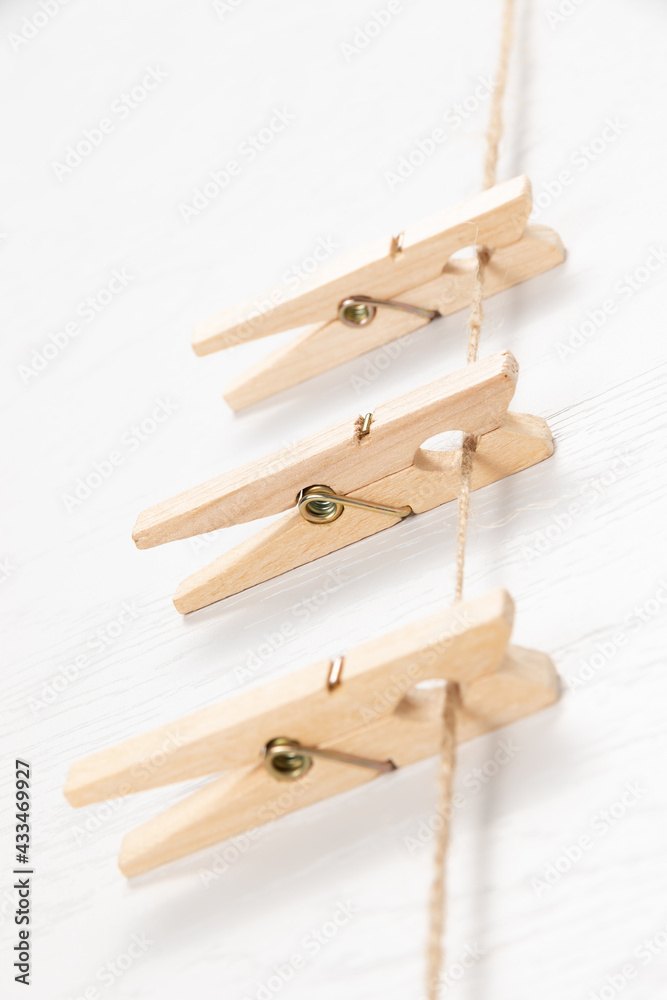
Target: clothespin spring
<point>359,310</point>
<point>319,504</point>
<point>288,760</point>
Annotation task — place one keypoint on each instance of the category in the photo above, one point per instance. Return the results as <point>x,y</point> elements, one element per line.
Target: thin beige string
<point>436,930</point>
<point>493,137</point>
<point>435,955</point>
<point>496,123</point>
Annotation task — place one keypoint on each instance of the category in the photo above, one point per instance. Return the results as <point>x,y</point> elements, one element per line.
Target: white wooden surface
<point>93,649</point>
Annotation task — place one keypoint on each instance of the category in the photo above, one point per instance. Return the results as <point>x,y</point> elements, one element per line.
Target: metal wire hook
<point>359,310</point>
<point>288,760</point>
<point>320,505</point>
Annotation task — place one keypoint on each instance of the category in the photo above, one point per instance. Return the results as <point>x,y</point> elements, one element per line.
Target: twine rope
<point>435,953</point>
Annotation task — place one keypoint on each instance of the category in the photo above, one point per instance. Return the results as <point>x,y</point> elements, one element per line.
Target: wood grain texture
<point>433,479</point>
<point>473,399</point>
<point>525,682</point>
<point>495,218</point>
<point>323,345</point>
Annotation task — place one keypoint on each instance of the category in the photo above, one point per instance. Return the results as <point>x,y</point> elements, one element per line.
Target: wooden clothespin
<point>351,480</point>
<point>320,731</point>
<point>384,291</point>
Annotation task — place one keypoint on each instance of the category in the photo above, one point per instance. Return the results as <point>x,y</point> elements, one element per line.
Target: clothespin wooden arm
<point>496,217</point>
<point>321,346</point>
<point>245,798</point>
<point>474,399</point>
<point>461,643</point>
<point>433,479</point>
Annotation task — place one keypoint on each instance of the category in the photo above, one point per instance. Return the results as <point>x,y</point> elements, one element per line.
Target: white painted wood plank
<point>94,652</point>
